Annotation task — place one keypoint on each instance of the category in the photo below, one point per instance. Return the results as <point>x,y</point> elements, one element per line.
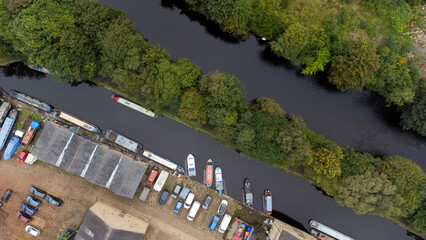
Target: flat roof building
<point>104,222</point>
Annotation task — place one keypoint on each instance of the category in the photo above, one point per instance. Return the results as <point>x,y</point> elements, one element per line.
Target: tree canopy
<point>224,96</point>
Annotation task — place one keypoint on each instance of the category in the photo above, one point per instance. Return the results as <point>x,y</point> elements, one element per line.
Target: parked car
<point>214,223</point>
<point>37,192</point>
<point>189,200</point>
<point>193,211</point>
<point>240,231</point>
<point>225,223</point>
<point>53,200</point>
<point>163,197</point>
<point>184,193</point>
<point>32,230</point>
<point>178,206</point>
<point>28,209</point>
<point>207,202</point>
<point>33,201</point>
<point>144,194</point>
<point>23,155</point>
<point>222,207</point>
<point>176,190</point>
<point>152,176</point>
<point>23,216</point>
<point>5,197</point>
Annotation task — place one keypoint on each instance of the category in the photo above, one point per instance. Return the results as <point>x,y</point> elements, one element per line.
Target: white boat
<point>190,161</point>
<point>329,231</point>
<point>219,179</point>
<point>133,106</point>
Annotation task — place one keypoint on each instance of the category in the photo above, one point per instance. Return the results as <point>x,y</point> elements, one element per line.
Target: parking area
<point>78,196</point>
<point>203,217</point>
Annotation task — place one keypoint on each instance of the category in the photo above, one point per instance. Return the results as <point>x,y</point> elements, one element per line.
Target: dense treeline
<point>80,39</point>
<point>361,44</point>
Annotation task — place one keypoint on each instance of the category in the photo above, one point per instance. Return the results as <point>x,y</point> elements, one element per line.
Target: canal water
<point>358,119</point>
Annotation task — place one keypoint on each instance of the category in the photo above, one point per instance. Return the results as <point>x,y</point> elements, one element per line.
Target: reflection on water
<point>20,70</point>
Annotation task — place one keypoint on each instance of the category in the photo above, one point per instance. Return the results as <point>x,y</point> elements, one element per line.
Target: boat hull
<point>11,147</point>
<point>328,231</point>
<point>190,161</point>
<point>219,180</point>
<point>7,127</point>
<point>133,106</point>
<point>209,173</point>
<point>248,195</point>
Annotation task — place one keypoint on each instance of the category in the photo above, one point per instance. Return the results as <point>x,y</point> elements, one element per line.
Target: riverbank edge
<point>288,170</point>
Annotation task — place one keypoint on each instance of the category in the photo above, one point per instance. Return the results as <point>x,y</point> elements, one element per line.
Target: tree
<point>15,6</point>
<point>224,95</point>
<point>76,57</point>
<point>292,42</point>
<point>324,163</point>
<point>369,193</point>
<point>264,133</point>
<point>414,114</point>
<point>226,135</point>
<point>187,73</point>
<point>192,107</point>
<point>38,30</point>
<point>408,178</point>
<point>122,50</point>
<point>294,144</point>
<point>418,218</point>
<point>355,70</point>
<point>355,163</point>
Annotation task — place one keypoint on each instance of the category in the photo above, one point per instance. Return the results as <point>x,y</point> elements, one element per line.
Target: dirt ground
<point>79,195</point>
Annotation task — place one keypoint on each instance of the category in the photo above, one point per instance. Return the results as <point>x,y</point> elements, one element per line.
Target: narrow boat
<point>164,161</point>
<point>248,195</point>
<point>209,173</point>
<point>267,200</point>
<point>219,180</point>
<point>7,127</point>
<point>190,161</point>
<point>328,231</point>
<point>123,141</point>
<point>11,148</point>
<point>134,106</point>
<point>74,120</point>
<point>28,137</point>
<point>4,110</point>
<point>31,101</point>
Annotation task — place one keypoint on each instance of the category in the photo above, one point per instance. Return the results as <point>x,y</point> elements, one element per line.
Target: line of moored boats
<point>318,230</point>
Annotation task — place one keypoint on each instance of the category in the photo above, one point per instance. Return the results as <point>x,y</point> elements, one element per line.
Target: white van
<point>161,180</point>
<point>225,223</point>
<point>189,200</point>
<point>193,211</point>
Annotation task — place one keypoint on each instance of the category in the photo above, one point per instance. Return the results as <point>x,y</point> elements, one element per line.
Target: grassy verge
<point>22,116</point>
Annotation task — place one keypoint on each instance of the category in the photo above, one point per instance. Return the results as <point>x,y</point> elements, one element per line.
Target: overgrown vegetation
<point>79,39</point>
<point>361,44</point>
